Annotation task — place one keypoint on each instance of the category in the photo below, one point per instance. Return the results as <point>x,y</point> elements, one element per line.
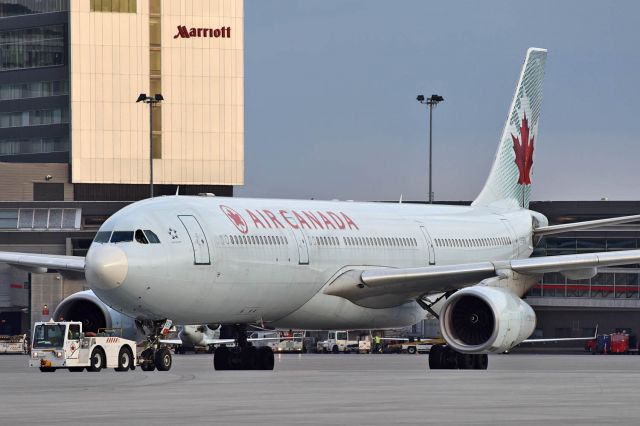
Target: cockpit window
<point>102,237</point>
<point>151,236</point>
<point>121,236</point>
<point>140,237</point>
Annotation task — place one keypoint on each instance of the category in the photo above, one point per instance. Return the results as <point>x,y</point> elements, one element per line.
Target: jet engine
<point>94,314</point>
<point>483,319</point>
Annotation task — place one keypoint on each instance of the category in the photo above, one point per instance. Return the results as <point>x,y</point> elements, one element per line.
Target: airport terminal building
<point>74,143</point>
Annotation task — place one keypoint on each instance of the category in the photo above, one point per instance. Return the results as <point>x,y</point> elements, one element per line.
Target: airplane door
<point>432,250</point>
<point>198,239</point>
<point>301,243</point>
<point>512,235</point>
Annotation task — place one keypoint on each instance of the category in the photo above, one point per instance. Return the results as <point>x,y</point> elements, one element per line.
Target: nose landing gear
<point>156,355</point>
<point>244,356</point>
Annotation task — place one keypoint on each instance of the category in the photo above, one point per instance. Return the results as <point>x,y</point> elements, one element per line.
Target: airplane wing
<point>589,224</point>
<point>384,286</point>
<point>563,339</point>
<point>41,263</point>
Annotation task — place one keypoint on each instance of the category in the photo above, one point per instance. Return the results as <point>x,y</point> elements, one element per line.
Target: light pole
<point>151,100</point>
<point>431,103</point>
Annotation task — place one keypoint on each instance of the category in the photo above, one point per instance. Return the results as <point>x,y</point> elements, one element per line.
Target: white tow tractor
<point>57,345</point>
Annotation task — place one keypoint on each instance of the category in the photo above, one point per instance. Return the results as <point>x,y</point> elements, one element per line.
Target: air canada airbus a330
<point>334,265</point>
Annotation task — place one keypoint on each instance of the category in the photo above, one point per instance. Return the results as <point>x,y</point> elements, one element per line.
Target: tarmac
<point>312,389</point>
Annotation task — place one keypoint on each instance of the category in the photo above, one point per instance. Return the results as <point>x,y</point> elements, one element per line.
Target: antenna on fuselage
<point>400,201</point>
<point>178,190</point>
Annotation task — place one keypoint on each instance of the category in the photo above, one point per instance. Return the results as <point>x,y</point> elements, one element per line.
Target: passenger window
<point>139,236</point>
<point>122,236</point>
<point>102,237</point>
<point>152,237</point>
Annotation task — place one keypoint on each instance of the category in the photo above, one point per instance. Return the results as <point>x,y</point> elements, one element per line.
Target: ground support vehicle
<point>420,346</point>
<point>14,344</point>
<point>63,345</point>
<point>291,342</point>
<point>340,341</point>
<point>619,343</point>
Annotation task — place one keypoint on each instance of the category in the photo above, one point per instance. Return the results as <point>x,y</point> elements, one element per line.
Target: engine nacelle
<point>94,314</point>
<point>483,319</point>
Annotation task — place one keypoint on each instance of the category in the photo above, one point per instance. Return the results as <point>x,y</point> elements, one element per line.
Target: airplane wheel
<point>249,358</point>
<point>163,359</point>
<point>481,361</point>
<point>466,361</point>
<point>125,359</point>
<point>147,360</point>
<point>265,359</point>
<point>148,366</point>
<point>436,357</point>
<point>97,360</point>
<point>221,358</point>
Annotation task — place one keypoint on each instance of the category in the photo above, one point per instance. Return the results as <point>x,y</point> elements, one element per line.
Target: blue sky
<point>330,87</point>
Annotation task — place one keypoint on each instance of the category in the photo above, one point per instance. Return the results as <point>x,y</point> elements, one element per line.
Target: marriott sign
<point>184,32</point>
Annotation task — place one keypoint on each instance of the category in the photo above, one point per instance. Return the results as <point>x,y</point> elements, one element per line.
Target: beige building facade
<point>190,51</point>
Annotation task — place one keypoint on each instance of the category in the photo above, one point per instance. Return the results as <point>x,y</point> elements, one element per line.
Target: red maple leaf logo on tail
<point>524,152</point>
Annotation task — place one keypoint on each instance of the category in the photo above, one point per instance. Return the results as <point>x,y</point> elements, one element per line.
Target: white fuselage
<point>228,260</point>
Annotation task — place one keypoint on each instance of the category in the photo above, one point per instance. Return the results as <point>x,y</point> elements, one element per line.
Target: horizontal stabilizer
<point>589,224</point>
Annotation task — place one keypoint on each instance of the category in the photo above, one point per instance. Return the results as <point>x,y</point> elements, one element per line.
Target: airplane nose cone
<point>106,266</point>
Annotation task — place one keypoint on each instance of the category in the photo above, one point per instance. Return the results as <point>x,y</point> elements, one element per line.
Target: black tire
<point>265,358</point>
<point>76,369</point>
<point>211,349</point>
<point>335,349</point>
<point>481,361</point>
<point>436,357</point>
<point>148,366</point>
<point>412,350</point>
<point>47,369</point>
<point>466,361</point>
<point>97,360</point>
<point>125,359</point>
<point>163,359</point>
<point>146,359</point>
<point>249,358</point>
<point>221,359</point>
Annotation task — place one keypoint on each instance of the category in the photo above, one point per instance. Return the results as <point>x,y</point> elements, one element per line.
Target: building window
<point>32,48</point>
<point>8,219</point>
<point>33,145</point>
<point>49,192</point>
<point>29,7</point>
<point>154,7</point>
<point>33,89</point>
<point>157,146</point>
<point>47,219</point>
<point>40,117</point>
<point>118,6</point>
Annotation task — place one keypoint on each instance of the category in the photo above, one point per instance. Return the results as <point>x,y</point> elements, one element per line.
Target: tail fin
<point>509,182</point>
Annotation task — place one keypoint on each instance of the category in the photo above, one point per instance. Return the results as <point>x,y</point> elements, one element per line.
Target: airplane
<point>335,265</point>
<point>191,337</point>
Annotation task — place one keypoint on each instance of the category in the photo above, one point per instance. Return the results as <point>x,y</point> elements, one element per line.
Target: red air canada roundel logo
<point>236,219</point>
<point>523,148</point>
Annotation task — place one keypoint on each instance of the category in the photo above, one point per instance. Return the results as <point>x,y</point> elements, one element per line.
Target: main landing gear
<point>155,356</point>
<point>442,357</point>
<point>244,356</point>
